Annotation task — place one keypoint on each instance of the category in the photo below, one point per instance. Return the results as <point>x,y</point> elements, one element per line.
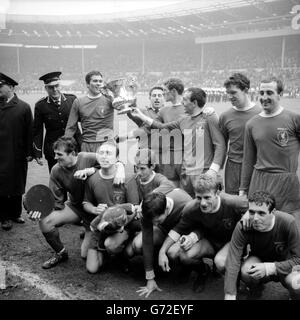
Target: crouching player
<point>66,179</point>
<point>160,213</point>
<point>204,230</point>
<point>275,249</point>
<point>100,194</point>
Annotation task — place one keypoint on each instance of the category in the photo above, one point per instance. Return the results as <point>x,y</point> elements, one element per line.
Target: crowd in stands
<point>154,62</point>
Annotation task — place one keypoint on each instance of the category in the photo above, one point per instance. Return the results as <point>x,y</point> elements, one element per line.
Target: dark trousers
<point>11,207</point>
<point>51,163</point>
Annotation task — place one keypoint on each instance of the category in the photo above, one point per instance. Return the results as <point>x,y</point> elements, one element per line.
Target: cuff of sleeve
<point>230,296</point>
<point>150,275</point>
<point>148,121</point>
<point>194,237</point>
<point>174,235</point>
<point>270,268</point>
<point>215,167</point>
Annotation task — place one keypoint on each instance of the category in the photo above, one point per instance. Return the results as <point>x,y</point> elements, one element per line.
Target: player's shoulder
<point>56,171</point>
<point>191,207</point>
<point>283,217</point>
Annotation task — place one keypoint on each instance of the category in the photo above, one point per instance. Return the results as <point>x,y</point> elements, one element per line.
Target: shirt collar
<point>264,115</point>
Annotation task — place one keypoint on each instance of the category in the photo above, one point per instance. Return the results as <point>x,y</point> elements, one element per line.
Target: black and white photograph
<point>149,153</point>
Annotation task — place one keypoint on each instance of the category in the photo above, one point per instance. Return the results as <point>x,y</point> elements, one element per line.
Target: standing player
<point>148,139</point>
<point>15,151</point>
<point>204,229</point>
<point>271,149</point>
<point>274,240</point>
<point>232,123</point>
<point>95,113</point>
<point>170,163</point>
<point>204,145</point>
<point>53,113</point>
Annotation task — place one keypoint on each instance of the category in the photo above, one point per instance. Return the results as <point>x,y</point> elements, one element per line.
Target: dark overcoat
<point>15,145</point>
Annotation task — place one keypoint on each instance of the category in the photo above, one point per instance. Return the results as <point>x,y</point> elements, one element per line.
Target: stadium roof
<point>169,19</point>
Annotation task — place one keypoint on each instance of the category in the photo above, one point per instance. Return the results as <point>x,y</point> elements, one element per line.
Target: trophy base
<point>125,110</point>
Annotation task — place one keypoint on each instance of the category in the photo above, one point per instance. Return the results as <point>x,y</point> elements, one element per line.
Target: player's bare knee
<point>137,246</point>
<point>219,262</point>
<point>292,282</point>
<point>172,253</point>
<point>112,246</point>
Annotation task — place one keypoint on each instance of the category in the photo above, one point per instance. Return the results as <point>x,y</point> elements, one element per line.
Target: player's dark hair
<point>154,205</point>
<point>89,75</point>
<point>146,156</point>
<point>206,183</point>
<point>68,144</point>
<point>261,197</point>
<point>238,79</point>
<point>110,143</point>
<point>175,83</point>
<point>199,95</point>
<point>155,88</point>
<point>280,86</point>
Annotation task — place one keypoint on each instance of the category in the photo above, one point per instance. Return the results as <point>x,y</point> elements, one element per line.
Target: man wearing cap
<point>53,113</point>
<point>16,150</point>
<point>95,113</point>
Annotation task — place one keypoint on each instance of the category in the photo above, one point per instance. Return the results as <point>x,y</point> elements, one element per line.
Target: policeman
<point>53,113</point>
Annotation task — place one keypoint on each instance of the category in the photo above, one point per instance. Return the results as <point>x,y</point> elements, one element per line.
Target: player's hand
<point>138,113</point>
<point>257,271</point>
<point>100,208</point>
<point>207,111</point>
<point>246,221</point>
<point>120,174</point>
<point>163,262</point>
<point>242,193</point>
<point>81,174</point>
<point>186,242</point>
<point>29,158</point>
<point>148,289</point>
<point>211,173</point>
<point>34,215</point>
<point>39,161</point>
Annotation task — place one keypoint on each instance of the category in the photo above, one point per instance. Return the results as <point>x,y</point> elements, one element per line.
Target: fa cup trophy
<point>124,91</point>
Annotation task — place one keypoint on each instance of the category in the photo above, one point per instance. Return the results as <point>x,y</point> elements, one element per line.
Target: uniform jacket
<point>54,118</point>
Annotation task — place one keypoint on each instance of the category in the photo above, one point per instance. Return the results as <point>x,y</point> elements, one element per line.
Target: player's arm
<point>59,192</point>
<point>249,160</point>
<point>233,262</point>
<point>283,268</point>
<point>164,185</point>
<point>155,123</point>
<point>218,142</point>
<point>148,251</point>
<point>223,129</point>
<point>72,124</point>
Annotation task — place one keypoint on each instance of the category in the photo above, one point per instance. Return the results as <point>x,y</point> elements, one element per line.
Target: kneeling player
<point>275,249</point>
<point>160,213</point>
<point>204,229</point>
<point>101,193</point>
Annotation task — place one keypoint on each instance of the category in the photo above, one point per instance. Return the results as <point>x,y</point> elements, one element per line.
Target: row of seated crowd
<point>154,61</point>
